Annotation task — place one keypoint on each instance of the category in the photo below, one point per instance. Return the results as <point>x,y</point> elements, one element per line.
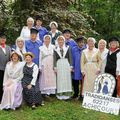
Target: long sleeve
<point>99,61</point>
<point>73,58</point>
<point>70,57</point>
<point>40,60</point>
<point>35,75</point>
<point>5,75</point>
<point>22,33</point>
<point>118,62</point>
<point>54,59</point>
<point>83,61</point>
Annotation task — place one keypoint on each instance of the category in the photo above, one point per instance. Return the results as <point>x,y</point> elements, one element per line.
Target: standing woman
<point>90,65</point>
<point>103,51</point>
<point>20,47</point>
<point>4,58</point>
<point>31,92</point>
<point>25,33</point>
<point>54,33</point>
<point>12,95</point>
<point>112,66</point>
<point>63,68</point>
<point>47,76</point>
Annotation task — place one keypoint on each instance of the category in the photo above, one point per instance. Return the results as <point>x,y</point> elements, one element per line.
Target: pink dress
<point>47,76</point>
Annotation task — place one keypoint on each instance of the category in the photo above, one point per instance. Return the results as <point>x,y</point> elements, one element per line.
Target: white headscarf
<point>53,22</point>
<point>18,49</point>
<point>65,48</point>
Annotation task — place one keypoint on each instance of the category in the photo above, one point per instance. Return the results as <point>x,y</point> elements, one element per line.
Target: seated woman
<point>30,84</point>
<point>12,95</point>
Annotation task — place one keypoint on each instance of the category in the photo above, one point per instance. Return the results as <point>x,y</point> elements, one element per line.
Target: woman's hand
<point>29,86</point>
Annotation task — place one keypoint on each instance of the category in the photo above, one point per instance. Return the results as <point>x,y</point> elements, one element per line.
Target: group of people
<point>44,63</point>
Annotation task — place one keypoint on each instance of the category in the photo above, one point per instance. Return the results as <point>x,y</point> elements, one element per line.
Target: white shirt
<point>4,50</point>
<point>25,33</point>
<point>118,63</point>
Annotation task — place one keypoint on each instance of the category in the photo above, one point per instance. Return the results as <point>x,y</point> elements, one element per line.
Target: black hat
<point>2,35</point>
<point>39,18</point>
<point>67,31</point>
<point>80,39</point>
<point>113,39</point>
<point>33,30</point>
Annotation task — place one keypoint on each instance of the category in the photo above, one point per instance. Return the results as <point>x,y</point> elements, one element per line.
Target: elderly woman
<point>12,95</point>
<point>47,77</point>
<point>103,51</point>
<point>20,47</point>
<point>90,65</point>
<point>4,58</point>
<point>63,67</point>
<point>112,65</point>
<point>54,33</point>
<point>31,92</point>
<point>25,33</point>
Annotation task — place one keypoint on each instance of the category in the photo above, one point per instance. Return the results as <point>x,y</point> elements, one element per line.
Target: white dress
<point>104,58</point>
<point>12,89</point>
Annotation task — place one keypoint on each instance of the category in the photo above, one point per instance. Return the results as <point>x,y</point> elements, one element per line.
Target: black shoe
<point>74,97</point>
<point>80,98</point>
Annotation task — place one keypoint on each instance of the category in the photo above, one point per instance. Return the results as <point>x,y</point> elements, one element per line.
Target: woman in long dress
<point>31,92</point>
<point>12,95</point>
<point>112,64</point>
<point>47,76</point>
<point>90,65</point>
<point>103,51</point>
<point>63,67</point>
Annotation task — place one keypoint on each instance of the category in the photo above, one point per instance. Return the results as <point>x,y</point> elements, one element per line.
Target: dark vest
<point>111,63</point>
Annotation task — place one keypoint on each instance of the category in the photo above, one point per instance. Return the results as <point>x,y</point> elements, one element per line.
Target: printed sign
<point>104,84</point>
<point>101,103</point>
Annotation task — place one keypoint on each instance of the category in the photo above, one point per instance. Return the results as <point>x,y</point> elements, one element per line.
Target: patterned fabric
<point>33,95</point>
<point>64,83</point>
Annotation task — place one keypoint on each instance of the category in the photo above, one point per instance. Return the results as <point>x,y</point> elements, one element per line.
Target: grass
<point>56,110</point>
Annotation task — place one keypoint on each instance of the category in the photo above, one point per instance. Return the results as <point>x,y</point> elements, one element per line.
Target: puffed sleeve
<point>118,63</point>
<point>83,61</point>
<point>34,75</point>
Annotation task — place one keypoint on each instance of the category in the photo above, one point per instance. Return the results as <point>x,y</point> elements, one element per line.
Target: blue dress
<point>34,48</point>
<point>76,57</point>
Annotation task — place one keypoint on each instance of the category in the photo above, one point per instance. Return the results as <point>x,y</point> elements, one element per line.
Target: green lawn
<point>56,110</point>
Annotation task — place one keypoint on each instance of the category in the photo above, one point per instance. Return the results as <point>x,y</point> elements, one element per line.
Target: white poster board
<point>101,103</point>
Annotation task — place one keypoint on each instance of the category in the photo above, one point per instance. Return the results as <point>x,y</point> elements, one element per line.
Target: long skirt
<point>12,96</point>
<point>89,78</point>
<point>33,95</point>
<point>47,77</point>
<point>64,82</point>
